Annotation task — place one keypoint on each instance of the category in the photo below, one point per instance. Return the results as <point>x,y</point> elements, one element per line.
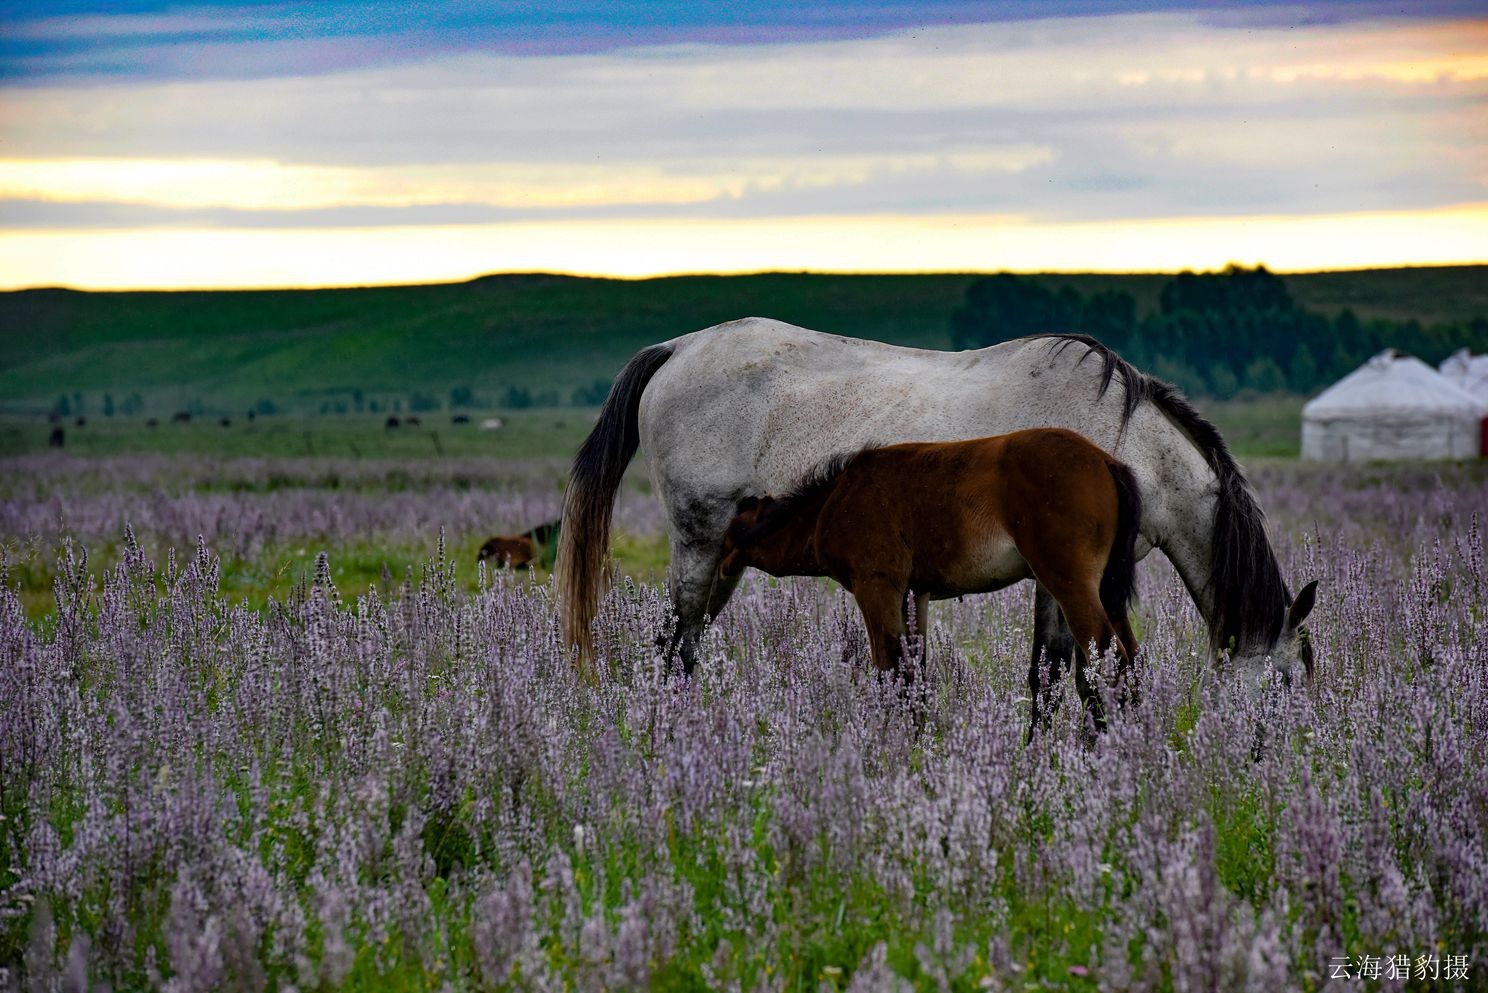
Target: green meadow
<point>511,340</point>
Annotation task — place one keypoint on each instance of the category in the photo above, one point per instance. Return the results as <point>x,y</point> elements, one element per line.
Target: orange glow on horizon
<point>307,258</point>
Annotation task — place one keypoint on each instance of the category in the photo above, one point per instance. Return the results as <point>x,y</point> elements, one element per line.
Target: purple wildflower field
<point>410,787</point>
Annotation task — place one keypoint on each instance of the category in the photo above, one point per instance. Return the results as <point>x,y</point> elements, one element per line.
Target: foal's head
<point>741,535</point>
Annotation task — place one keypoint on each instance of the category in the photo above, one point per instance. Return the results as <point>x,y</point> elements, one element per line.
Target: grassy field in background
<point>222,352</point>
<point>1269,426</point>
<point>525,434</point>
<point>380,565</point>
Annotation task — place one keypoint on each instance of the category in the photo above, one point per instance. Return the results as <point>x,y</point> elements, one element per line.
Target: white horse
<point>750,407</point>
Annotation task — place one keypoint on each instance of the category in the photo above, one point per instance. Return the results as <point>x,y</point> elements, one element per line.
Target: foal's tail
<point>1118,583</point>
<point>584,532</point>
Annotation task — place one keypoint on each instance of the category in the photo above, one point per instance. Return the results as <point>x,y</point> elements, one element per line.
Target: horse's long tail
<point>1118,585</point>
<point>584,535</point>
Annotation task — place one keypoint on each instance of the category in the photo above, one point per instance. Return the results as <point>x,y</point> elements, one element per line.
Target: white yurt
<point>1392,407</point>
<point>1468,371</point>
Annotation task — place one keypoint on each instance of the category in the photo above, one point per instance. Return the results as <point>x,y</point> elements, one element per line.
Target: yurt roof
<point>1392,383</point>
<point>1468,371</point>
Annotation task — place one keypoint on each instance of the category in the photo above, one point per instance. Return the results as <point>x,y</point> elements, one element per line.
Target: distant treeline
<point>343,401</point>
<point>1215,333</point>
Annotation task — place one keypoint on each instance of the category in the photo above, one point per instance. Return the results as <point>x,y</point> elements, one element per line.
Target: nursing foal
<point>938,520</point>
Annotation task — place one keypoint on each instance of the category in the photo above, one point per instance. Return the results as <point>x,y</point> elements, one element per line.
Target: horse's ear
<point>1302,606</point>
<point>748,504</point>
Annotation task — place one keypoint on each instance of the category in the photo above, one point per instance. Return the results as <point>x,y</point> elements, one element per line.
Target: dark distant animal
<point>181,417</point>
<point>536,547</point>
<point>152,422</point>
<point>511,551</point>
<point>751,406</point>
<point>936,520</point>
<point>391,423</point>
<point>58,438</point>
<point>252,415</point>
<point>411,421</point>
<point>81,422</point>
<point>54,418</point>
<point>226,422</point>
<point>460,419</point>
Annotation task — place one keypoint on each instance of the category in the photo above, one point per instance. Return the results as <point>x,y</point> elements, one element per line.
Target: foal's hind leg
<point>1054,647</point>
<point>1126,651</point>
<point>1089,625</point>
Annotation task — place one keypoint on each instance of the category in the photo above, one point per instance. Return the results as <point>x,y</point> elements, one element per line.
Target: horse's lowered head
<point>1293,648</point>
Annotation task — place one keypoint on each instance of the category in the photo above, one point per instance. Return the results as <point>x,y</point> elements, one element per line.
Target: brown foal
<point>938,520</point>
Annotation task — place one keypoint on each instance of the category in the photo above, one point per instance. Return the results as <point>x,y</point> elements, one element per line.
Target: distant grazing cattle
<point>411,421</point>
<point>536,547</point>
<point>58,438</point>
<point>152,422</point>
<point>252,415</point>
<point>460,419</point>
<point>227,422</point>
<point>391,423</point>
<point>492,424</point>
<point>81,421</point>
<point>181,417</point>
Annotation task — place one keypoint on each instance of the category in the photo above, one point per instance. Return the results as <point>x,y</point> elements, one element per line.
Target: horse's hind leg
<point>1054,647</point>
<point>698,593</point>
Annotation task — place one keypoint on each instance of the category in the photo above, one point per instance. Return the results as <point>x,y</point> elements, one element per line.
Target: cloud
<point>1046,123</point>
<point>1132,116</point>
<point>156,39</point>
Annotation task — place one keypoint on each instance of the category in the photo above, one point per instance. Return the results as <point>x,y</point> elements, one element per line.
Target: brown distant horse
<point>944,519</point>
<point>518,551</point>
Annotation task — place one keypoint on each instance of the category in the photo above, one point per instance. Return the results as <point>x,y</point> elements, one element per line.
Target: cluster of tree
<point>1213,333</point>
<point>516,397</point>
<point>77,403</point>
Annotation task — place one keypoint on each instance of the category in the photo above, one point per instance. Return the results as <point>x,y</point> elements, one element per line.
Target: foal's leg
<point>882,602</point>
<point>1079,600</point>
<point>1053,646</point>
<point>922,614</point>
<point>1126,651</point>
<point>922,628</point>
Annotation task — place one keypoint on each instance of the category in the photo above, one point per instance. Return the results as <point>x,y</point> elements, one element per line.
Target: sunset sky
<point>148,144</point>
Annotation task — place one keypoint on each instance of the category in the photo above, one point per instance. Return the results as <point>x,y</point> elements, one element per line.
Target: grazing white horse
<point>752,406</point>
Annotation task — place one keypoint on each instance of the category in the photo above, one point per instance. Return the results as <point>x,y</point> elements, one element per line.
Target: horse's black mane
<point>1250,595</point>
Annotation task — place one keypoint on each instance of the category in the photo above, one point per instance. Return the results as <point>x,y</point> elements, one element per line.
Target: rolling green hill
<point>303,350</point>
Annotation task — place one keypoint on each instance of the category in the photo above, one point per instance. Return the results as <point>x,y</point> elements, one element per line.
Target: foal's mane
<point>810,486</point>
<point>1250,595</point>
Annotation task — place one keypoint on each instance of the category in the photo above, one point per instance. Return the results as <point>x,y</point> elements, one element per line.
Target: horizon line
<point>741,274</point>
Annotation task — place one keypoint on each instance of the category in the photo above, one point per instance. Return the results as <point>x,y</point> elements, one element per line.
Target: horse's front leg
<point>1054,647</point>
